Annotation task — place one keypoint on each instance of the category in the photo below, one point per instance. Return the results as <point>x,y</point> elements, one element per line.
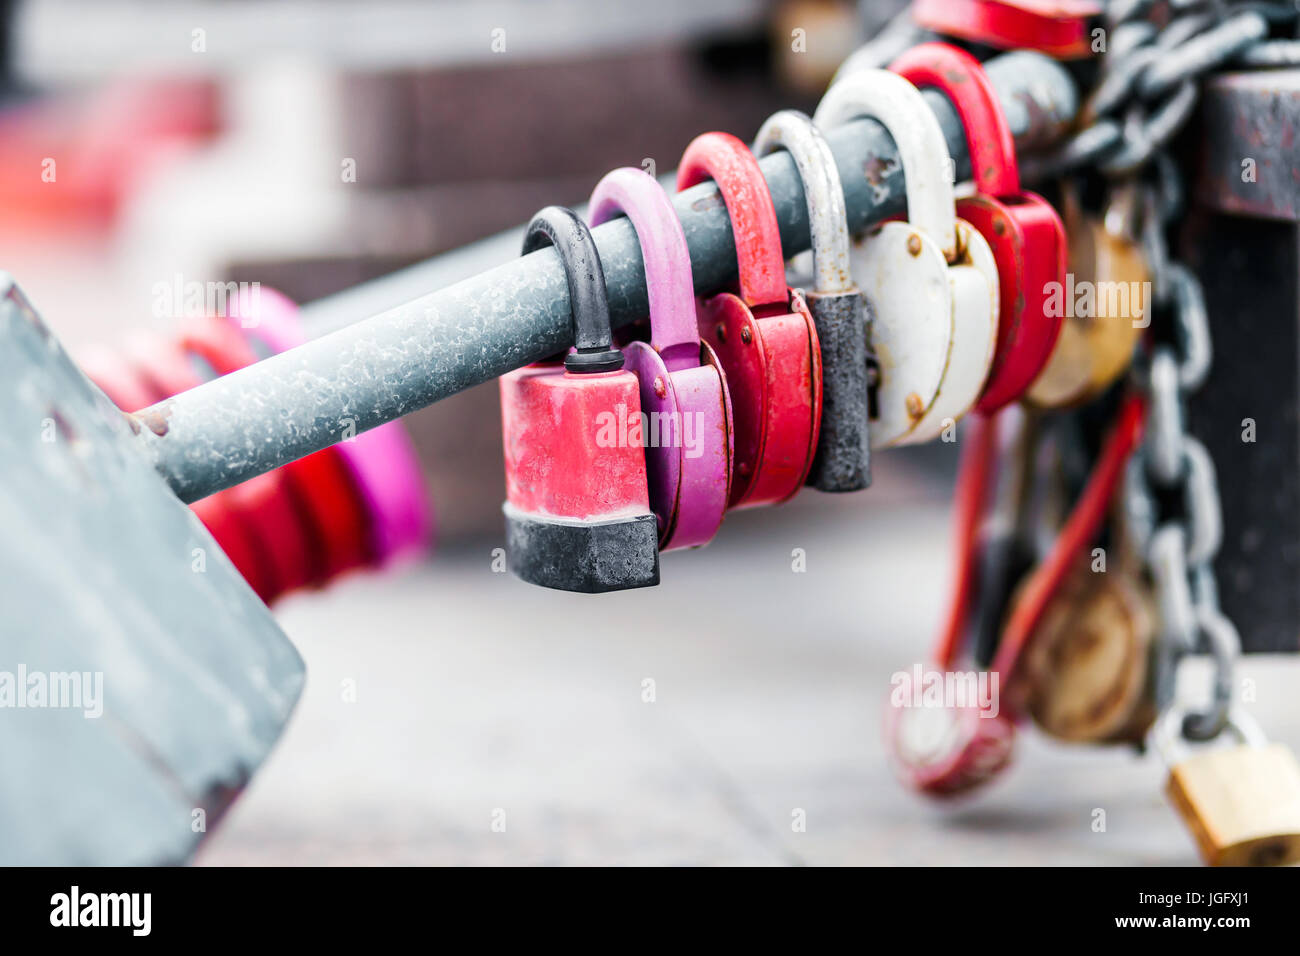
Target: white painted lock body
<point>934,328</point>
<point>975,305</point>
<point>903,274</point>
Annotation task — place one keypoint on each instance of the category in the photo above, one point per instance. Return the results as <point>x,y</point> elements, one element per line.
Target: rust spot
<point>1000,226</point>
<point>155,418</point>
<point>877,169</point>
<point>721,332</point>
<point>660,388</point>
<point>914,244</point>
<point>915,407</point>
<point>746,336</point>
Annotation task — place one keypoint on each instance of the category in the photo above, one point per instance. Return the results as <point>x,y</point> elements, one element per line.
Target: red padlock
<point>1058,28</point>
<point>765,336</point>
<point>1023,229</point>
<point>220,513</point>
<point>270,499</point>
<point>320,491</point>
<point>577,505</point>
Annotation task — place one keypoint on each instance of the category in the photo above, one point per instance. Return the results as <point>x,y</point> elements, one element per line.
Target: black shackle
<point>562,228</point>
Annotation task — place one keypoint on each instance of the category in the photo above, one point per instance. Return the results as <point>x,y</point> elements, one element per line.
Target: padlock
<point>272,499</point>
<point>1024,231</point>
<point>950,749</point>
<point>932,281</point>
<point>945,751</point>
<point>1242,802</point>
<point>763,333</point>
<point>1089,669</point>
<point>1081,527</point>
<point>1096,347</point>
<point>577,504</point>
<point>1058,28</point>
<point>843,459</point>
<point>687,420</point>
<point>129,388</point>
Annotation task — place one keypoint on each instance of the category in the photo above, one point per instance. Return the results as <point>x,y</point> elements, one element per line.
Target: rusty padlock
<point>1106,303</point>
<point>577,505</point>
<point>843,460</point>
<point>1023,230</point>
<point>687,421</point>
<point>1088,670</point>
<point>932,281</point>
<point>1242,802</point>
<point>764,335</point>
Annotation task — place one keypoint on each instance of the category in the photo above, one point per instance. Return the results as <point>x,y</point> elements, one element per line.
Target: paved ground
<point>476,694</point>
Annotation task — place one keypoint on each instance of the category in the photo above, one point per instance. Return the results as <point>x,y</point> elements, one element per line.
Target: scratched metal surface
<point>476,692</point>
<point>98,566</point>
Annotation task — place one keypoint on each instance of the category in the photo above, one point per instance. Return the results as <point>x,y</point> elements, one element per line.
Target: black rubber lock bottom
<point>591,557</point>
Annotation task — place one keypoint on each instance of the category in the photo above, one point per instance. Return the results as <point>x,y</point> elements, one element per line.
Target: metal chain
<point>1148,89</point>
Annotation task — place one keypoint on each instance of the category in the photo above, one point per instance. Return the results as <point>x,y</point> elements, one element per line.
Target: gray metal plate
<point>100,575</point>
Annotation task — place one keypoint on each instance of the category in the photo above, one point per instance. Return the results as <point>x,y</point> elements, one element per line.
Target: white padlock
<point>932,280</point>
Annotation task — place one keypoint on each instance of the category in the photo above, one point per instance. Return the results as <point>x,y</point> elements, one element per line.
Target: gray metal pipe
<point>385,366</point>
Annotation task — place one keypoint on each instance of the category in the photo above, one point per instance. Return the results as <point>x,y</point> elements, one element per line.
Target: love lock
<point>764,337</point>
<point>1102,329</point>
<point>932,281</point>
<point>1058,28</point>
<point>947,747</point>
<point>1241,803</point>
<point>953,747</point>
<point>577,506</point>
<point>1023,229</point>
<point>843,459</point>
<point>686,408</point>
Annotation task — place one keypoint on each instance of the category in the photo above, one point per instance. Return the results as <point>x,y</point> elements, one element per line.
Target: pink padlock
<point>686,420</point>
<point>382,460</point>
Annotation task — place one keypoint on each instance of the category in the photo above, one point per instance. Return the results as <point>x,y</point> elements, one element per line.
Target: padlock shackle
<point>397,344</point>
<point>958,75</point>
<point>734,169</point>
<point>670,287</point>
<point>898,106</point>
<point>562,228</point>
<point>976,473</point>
<point>828,224</point>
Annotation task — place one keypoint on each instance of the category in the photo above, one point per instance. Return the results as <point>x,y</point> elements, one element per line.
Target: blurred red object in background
<point>70,160</point>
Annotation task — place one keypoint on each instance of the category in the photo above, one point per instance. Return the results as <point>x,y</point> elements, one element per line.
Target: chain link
<point>1148,88</point>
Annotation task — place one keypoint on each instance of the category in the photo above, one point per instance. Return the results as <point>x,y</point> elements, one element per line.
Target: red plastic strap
<point>960,77</point>
<point>725,159</point>
<point>974,478</point>
<point>1080,528</point>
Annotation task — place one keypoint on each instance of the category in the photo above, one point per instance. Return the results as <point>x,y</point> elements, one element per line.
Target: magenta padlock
<point>686,420</point>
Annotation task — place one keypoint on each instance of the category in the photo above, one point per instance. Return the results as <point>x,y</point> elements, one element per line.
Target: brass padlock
<point>1106,302</point>
<point>1088,670</point>
<point>1090,667</point>
<point>1241,803</point>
